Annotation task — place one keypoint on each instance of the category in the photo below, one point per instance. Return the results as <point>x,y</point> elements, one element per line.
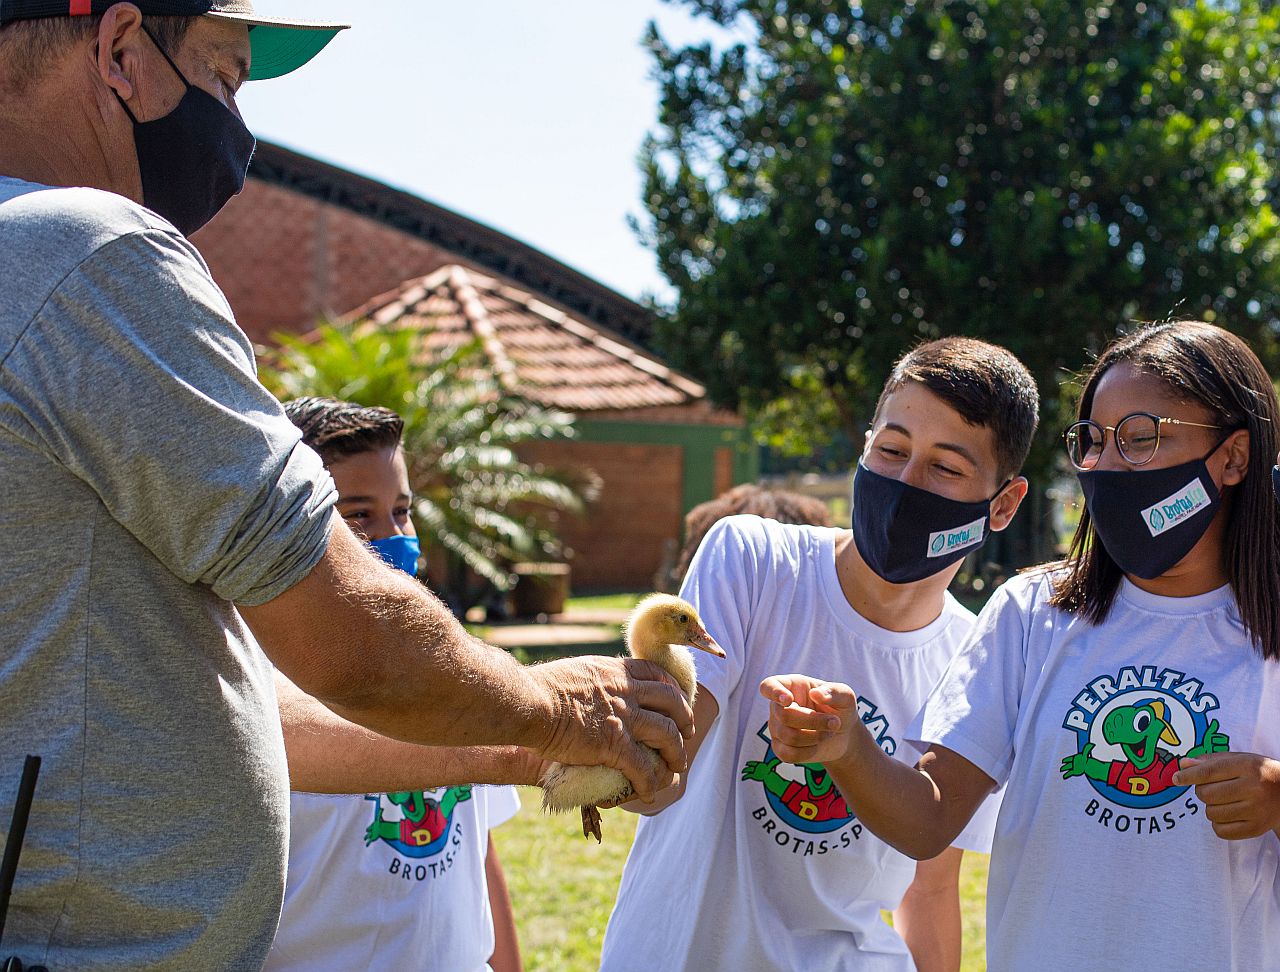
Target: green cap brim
<point>281,47</point>
<point>279,50</point>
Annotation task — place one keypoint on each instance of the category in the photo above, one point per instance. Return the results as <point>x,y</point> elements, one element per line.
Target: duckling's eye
<point>1141,721</point>
<point>683,619</point>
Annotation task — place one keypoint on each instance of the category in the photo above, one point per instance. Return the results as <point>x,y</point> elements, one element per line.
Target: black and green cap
<point>279,44</point>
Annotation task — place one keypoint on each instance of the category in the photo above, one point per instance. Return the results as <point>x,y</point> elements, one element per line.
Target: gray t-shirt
<point>148,483</point>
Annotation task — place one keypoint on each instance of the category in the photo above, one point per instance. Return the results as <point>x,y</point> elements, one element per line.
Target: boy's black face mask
<point>1149,519</point>
<point>194,159</point>
<point>906,534</point>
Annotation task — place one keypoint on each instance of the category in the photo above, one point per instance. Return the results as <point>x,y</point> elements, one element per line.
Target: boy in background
<point>762,866</point>
<point>408,879</point>
<point>771,504</point>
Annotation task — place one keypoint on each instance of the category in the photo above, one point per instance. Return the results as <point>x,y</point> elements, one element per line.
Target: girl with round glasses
<point>1128,698</point>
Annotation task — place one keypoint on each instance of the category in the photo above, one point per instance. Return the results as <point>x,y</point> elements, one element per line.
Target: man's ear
<point>118,52</point>
<point>1236,451</point>
<point>1004,506</point>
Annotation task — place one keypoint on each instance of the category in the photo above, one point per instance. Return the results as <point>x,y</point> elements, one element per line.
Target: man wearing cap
<point>161,520</point>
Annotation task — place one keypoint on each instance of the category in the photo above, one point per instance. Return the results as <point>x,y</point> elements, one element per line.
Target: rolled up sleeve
<point>135,377</point>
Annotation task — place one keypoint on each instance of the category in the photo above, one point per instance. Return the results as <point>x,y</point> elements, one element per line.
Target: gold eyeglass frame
<point>1159,420</point>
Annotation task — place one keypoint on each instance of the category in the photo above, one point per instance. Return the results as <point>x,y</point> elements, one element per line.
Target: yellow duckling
<point>657,631</point>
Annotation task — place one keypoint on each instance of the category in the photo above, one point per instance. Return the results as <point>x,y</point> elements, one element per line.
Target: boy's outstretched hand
<point>1240,792</point>
<point>810,720</point>
<point>814,721</point>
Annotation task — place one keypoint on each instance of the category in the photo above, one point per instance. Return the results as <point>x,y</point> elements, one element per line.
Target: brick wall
<point>285,260</point>
<point>630,528</point>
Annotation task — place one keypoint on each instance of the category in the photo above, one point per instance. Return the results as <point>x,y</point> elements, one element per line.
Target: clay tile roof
<point>536,350</point>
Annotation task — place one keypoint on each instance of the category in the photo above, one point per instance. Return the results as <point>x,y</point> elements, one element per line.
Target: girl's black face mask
<point>194,159</point>
<point>1275,482</point>
<point>906,534</point>
<point>1149,519</point>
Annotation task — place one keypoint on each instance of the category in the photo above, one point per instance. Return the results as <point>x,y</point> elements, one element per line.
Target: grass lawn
<point>604,602</point>
<point>562,887</point>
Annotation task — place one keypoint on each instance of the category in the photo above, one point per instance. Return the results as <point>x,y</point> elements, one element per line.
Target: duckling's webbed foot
<point>591,823</point>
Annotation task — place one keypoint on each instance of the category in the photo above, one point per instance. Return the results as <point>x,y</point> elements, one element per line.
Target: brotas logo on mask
<point>948,541</point>
<point>1174,509</point>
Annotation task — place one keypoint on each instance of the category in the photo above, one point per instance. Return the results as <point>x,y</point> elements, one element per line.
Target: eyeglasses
<point>1137,438</point>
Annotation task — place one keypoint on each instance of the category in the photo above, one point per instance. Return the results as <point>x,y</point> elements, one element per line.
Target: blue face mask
<point>401,552</point>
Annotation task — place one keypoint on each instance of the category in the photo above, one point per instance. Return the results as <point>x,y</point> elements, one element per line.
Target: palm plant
<point>476,500</point>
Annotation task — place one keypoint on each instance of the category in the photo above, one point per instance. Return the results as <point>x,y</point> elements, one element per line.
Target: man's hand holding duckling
<point>1240,792</point>
<point>606,710</point>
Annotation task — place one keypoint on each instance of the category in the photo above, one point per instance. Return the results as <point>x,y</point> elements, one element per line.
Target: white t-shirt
<point>391,881</point>
<point>1117,869</point>
<point>760,866</point>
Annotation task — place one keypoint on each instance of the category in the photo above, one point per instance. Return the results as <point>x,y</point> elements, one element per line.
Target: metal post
<point>17,833</point>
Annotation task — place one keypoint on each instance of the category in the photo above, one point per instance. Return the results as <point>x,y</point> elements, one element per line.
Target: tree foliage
<point>861,176</point>
<point>475,500</point>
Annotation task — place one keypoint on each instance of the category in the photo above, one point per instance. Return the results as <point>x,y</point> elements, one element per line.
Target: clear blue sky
<point>524,115</point>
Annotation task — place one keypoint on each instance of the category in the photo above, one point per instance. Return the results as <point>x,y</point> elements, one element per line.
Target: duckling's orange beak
<point>703,641</point>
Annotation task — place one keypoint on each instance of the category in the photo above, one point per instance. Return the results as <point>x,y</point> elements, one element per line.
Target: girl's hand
<point>1240,792</point>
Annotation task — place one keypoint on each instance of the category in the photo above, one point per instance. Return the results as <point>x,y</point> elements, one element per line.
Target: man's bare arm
<point>328,754</point>
<point>381,651</point>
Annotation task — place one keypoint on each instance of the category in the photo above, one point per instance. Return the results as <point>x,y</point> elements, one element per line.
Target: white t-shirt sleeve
<point>980,830</point>
<point>973,710</point>
<point>502,803</point>
<point>721,585</point>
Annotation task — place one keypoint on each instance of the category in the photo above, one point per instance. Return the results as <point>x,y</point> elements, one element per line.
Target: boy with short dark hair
<point>1102,689</point>
<point>388,879</point>
<point>762,866</point>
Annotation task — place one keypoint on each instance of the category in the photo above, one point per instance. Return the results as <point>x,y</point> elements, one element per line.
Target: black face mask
<point>193,159</point>
<point>1275,481</point>
<point>906,534</point>
<point>1148,520</point>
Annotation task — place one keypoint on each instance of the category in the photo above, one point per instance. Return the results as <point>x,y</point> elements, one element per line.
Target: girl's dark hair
<point>338,429</point>
<point>1208,366</point>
